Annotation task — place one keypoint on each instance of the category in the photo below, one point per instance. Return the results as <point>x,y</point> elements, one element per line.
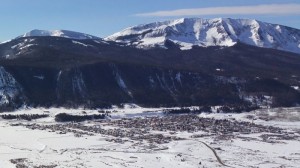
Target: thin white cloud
<point>274,9</point>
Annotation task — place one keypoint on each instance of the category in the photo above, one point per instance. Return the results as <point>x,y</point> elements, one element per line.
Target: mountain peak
<point>59,33</point>
<point>189,32</point>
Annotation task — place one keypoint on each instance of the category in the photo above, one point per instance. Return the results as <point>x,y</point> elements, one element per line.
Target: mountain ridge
<point>189,32</point>
<point>59,33</point>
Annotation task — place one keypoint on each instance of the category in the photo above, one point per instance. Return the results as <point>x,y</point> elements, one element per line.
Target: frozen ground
<point>44,143</point>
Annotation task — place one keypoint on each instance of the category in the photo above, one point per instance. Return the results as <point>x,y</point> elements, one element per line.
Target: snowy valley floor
<point>139,137</point>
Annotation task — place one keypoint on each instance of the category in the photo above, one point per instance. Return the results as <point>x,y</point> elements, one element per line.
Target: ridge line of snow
<point>187,32</point>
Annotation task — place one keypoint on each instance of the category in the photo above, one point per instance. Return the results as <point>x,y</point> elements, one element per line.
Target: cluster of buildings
<point>158,130</point>
<point>193,123</point>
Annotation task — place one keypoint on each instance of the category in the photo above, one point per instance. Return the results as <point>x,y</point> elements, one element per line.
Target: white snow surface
<point>79,43</point>
<point>43,147</point>
<point>59,33</point>
<point>188,32</point>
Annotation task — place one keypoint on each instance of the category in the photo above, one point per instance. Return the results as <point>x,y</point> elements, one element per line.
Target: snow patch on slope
<point>78,84</point>
<point>79,43</point>
<point>120,81</point>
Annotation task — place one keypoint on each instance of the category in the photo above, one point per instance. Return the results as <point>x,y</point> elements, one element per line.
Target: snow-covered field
<point>22,146</point>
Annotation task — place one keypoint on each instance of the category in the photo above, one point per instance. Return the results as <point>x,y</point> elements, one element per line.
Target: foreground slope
<point>145,137</point>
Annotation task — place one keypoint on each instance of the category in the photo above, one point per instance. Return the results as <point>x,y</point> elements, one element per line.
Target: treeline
<point>63,117</point>
<point>208,109</point>
<point>236,108</point>
<point>188,110</point>
<point>27,117</point>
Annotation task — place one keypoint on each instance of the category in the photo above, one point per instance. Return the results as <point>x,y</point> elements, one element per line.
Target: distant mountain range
<point>234,62</point>
<point>189,32</point>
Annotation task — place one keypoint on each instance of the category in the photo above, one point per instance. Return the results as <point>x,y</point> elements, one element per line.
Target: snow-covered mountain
<point>188,32</point>
<point>59,33</point>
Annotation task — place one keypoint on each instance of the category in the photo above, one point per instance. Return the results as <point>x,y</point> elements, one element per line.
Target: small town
<point>162,129</point>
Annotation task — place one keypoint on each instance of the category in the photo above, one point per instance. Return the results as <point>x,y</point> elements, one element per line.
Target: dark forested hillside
<point>54,71</point>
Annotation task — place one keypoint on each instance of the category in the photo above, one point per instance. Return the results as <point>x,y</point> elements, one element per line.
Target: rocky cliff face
<point>10,90</point>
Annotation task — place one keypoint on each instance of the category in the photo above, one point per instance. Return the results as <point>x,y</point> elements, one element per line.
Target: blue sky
<point>104,17</point>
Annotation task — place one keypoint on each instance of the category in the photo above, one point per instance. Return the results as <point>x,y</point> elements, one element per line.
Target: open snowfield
<point>42,143</point>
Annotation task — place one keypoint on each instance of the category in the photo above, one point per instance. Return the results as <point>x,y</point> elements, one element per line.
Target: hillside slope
<point>55,71</point>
